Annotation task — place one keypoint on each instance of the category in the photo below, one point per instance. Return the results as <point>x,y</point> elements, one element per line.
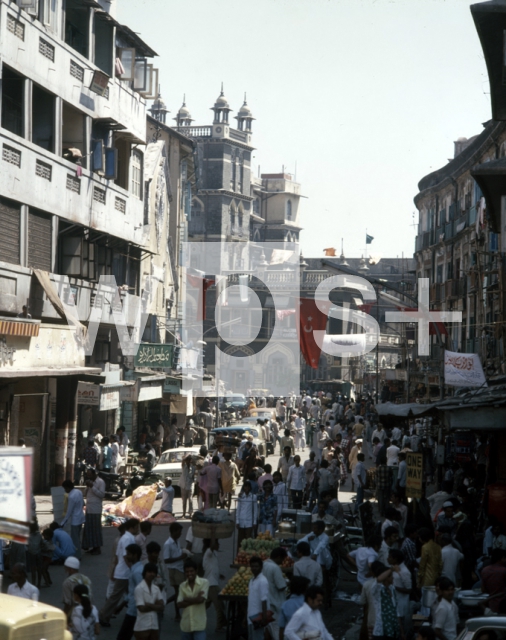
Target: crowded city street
<point>252,320</point>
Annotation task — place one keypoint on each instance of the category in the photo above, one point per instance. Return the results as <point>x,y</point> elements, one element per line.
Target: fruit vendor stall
<point>262,547</point>
<point>235,592</point>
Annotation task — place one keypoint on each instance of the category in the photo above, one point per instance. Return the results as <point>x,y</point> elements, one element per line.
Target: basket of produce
<point>243,557</point>
<point>238,585</point>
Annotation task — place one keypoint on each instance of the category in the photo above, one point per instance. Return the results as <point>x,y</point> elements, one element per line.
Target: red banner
<point>203,284</point>
<point>311,319</point>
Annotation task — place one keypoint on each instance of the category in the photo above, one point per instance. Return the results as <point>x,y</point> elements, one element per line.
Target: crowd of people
<point>322,442</point>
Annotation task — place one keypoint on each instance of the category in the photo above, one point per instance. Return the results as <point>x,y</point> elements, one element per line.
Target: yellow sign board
<point>414,477</point>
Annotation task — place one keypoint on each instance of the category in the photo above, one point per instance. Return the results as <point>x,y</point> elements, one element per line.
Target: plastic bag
<point>139,504</point>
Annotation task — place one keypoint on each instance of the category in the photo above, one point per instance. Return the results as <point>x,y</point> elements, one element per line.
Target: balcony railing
<point>196,132</point>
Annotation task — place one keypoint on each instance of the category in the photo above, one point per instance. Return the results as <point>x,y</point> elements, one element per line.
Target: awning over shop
<point>407,410</point>
<point>477,409</point>
<point>51,372</point>
<point>150,387</point>
<point>25,328</point>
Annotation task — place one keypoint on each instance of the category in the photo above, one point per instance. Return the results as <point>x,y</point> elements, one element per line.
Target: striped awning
<point>17,328</point>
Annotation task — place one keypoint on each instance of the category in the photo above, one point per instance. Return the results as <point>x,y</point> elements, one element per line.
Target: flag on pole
<point>368,238</point>
<point>330,252</point>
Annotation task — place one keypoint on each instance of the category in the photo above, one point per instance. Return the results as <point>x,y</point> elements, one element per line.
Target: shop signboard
<point>16,464</point>
<point>464,370</point>
<point>149,390</point>
<point>172,385</point>
<point>154,356</point>
<point>414,475</point>
<point>88,393</point>
<point>109,399</point>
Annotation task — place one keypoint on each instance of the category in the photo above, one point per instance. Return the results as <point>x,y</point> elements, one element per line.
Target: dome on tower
<point>221,101</point>
<point>244,111</point>
<point>184,112</point>
<point>159,104</point>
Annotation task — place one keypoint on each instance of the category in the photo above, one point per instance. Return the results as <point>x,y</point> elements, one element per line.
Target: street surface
<point>338,618</point>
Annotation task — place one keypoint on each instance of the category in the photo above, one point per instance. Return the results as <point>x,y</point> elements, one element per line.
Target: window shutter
<point>71,256</point>
<point>97,155</point>
<point>140,74</point>
<point>127,57</point>
<point>188,201</point>
<point>111,163</point>
<point>10,236</point>
<point>39,241</point>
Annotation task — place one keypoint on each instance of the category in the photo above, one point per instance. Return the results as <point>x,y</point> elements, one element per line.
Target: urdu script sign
<point>155,356</point>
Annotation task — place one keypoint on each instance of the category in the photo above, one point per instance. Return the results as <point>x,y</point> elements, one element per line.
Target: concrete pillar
<point>66,428</point>
<point>72,434</point>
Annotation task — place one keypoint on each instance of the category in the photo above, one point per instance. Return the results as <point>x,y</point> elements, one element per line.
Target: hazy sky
<point>363,98</point>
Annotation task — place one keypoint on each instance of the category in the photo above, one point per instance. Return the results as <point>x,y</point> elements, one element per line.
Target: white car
<point>169,464</point>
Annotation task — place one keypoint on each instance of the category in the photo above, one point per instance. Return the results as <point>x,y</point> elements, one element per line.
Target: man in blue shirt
<point>63,545</point>
<point>133,558</point>
<point>298,586</point>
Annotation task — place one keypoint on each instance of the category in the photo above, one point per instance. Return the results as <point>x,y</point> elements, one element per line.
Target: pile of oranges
<point>238,584</point>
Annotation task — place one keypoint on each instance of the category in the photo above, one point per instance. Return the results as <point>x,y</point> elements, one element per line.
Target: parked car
<point>234,402</point>
<point>240,429</point>
<point>21,618</point>
<point>169,464</point>
<point>475,627</point>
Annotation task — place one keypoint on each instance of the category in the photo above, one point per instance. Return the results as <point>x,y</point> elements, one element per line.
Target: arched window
<point>233,159</point>
<point>241,175</point>
<point>232,217</point>
<point>289,210</point>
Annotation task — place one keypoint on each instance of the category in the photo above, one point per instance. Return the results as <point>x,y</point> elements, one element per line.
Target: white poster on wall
<point>16,464</point>
<point>463,370</point>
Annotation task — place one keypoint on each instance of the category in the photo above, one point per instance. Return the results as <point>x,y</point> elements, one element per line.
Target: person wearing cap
<point>445,521</point>
<point>189,434</point>
<point>74,577</point>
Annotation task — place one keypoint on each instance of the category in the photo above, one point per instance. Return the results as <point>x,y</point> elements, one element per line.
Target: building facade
<point>459,248</point>
<point>82,197</point>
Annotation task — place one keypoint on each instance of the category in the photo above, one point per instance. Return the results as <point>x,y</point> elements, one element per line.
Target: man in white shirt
<point>446,617</point>
<point>121,572</point>
<point>258,600</point>
<point>397,435</point>
<point>452,558</point>
<point>116,458</point>
<point>20,586</point>
<point>281,492</point>
<point>75,513</point>
<point>300,432</point>
<point>296,482</point>
<point>359,477</point>
<point>174,558</point>
<point>393,461</point>
<point>95,493</point>
<point>308,617</point>
<point>363,557</point>
<point>321,441</point>
<point>306,566</point>
<point>277,585</point>
<point>379,433</point>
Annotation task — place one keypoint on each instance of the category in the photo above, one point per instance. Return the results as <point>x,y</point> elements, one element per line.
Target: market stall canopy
<point>408,410</point>
<point>477,409</point>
